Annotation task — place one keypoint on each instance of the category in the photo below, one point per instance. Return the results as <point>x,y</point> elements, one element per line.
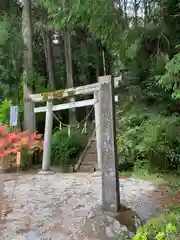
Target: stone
<point>18,238</point>
<point>94,229</point>
<point>109,232</point>
<point>108,149</point>
<point>46,172</point>
<point>97,174</point>
<point>117,228</point>
<point>91,214</point>
<point>32,235</point>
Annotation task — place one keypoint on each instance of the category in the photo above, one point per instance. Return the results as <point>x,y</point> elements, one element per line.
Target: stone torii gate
<point>104,105</point>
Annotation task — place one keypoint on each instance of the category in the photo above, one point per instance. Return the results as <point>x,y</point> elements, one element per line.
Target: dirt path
<point>66,206</point>
<point>166,199</point>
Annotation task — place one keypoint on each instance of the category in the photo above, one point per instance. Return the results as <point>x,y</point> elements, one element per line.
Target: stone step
<point>93,143</point>
<point>92,158</point>
<point>91,151</point>
<point>86,168</point>
<point>92,148</point>
<point>89,161</point>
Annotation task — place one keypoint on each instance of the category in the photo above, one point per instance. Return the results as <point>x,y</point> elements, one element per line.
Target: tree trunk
<point>135,12</point>
<point>69,72</point>
<point>136,8</point>
<point>48,49</point>
<point>84,73</point>
<point>97,57</point>
<point>29,116</point>
<point>145,12</point>
<point>96,54</point>
<point>125,9</point>
<point>107,61</point>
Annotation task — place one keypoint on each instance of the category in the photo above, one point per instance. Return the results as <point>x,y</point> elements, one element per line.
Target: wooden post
<point>97,126</point>
<point>48,137</point>
<point>110,178</point>
<point>1,195</point>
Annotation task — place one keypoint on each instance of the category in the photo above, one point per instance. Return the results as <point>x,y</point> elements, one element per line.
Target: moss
<point>45,95</point>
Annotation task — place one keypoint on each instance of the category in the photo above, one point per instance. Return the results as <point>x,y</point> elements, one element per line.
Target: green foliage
<point>148,132</point>
<point>37,80</point>
<point>148,137</point>
<point>164,227</point>
<point>5,112</point>
<point>128,136</point>
<point>100,17</point>
<point>11,48</point>
<point>65,150</point>
<point>170,80</point>
<point>158,141</point>
<point>133,49</point>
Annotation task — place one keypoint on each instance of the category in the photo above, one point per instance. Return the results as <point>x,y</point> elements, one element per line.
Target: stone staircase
<point>88,160</point>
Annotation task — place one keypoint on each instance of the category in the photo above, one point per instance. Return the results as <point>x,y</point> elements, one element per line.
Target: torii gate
<point>104,106</point>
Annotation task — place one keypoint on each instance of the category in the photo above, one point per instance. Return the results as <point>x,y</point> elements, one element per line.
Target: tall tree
<point>136,8</point>
<point>145,3</point>
<point>29,116</point>
<point>48,48</point>
<point>69,71</point>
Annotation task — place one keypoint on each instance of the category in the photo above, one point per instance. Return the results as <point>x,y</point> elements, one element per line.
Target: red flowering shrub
<point>13,142</point>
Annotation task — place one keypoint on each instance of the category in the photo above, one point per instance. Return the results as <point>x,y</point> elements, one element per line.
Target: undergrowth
<point>164,227</point>
<point>148,140</point>
<point>66,149</point>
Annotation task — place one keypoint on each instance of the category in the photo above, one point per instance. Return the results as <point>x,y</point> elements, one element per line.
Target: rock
<point>109,232</point>
<point>46,172</point>
<point>94,229</point>
<point>78,206</point>
<point>110,218</point>
<point>117,228</point>
<point>19,237</point>
<point>91,214</point>
<point>137,222</point>
<point>97,174</point>
<point>31,235</point>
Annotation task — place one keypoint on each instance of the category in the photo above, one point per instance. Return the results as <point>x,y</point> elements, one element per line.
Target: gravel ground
<point>67,207</point>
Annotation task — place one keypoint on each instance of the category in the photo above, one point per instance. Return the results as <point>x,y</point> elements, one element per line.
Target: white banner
<point>13,116</point>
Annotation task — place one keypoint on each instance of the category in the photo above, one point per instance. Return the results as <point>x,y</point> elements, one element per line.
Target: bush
<point>164,227</point>
<point>13,142</point>
<point>159,141</point>
<point>150,138</point>
<point>65,150</point>
<point>5,112</point>
<point>128,137</point>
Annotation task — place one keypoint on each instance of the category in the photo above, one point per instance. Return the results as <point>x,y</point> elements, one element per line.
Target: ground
<point>68,206</point>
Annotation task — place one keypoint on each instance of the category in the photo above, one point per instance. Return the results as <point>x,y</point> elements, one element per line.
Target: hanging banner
<point>13,116</point>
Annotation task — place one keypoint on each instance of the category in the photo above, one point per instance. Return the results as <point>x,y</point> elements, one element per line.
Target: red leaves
<point>11,143</point>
